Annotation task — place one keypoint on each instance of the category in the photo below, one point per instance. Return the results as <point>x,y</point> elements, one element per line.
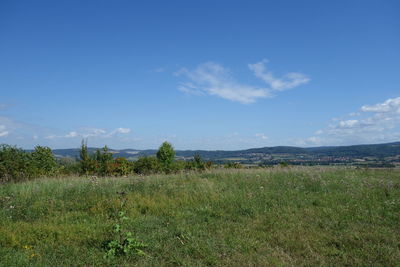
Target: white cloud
<point>288,81</point>
<point>3,132</point>
<point>390,105</point>
<point>118,131</point>
<point>375,123</point>
<point>90,132</point>
<point>71,135</point>
<point>213,79</point>
<point>123,130</point>
<point>348,123</point>
<point>262,136</point>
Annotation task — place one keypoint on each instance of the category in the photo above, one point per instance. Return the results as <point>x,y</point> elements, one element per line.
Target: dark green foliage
<point>198,164</point>
<point>85,160</point>
<point>233,165</point>
<point>44,161</point>
<point>147,165</point>
<point>166,155</point>
<point>17,164</point>
<point>122,167</point>
<point>283,164</point>
<point>178,166</point>
<point>105,162</point>
<point>68,166</point>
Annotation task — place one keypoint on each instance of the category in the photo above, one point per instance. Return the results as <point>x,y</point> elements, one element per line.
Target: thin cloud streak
<point>213,79</point>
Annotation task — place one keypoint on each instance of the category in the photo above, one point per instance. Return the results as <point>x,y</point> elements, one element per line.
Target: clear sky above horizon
<point>200,74</point>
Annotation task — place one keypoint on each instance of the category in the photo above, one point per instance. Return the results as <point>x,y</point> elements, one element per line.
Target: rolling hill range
<point>389,152</point>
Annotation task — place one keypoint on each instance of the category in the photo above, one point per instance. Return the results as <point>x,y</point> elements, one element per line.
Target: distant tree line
<point>18,165</point>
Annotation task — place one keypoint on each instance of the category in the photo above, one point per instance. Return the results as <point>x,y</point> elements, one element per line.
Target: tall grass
<point>277,216</point>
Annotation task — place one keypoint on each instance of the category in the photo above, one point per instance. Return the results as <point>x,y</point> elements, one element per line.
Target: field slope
<point>261,217</point>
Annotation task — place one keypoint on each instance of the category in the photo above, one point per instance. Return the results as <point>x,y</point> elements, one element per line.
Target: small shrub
<point>233,165</point>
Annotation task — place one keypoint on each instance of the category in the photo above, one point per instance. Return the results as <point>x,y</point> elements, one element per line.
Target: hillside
<point>389,152</point>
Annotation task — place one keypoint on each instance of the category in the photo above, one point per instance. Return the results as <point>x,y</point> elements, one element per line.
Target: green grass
<point>261,217</point>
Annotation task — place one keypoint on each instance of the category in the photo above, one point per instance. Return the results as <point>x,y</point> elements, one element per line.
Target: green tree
<point>85,160</point>
<point>44,161</point>
<point>166,155</point>
<point>105,161</point>
<point>198,162</point>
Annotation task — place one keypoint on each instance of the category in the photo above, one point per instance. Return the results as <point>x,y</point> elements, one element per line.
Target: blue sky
<point>200,74</point>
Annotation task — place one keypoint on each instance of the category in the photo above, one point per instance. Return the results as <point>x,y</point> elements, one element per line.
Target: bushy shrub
<point>123,167</point>
<point>147,165</point>
<point>15,164</point>
<point>102,163</point>
<point>68,166</point>
<point>43,161</point>
<point>283,164</point>
<point>233,165</point>
<point>177,166</point>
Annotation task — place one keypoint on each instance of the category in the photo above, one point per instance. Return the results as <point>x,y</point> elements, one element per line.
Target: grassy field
<point>262,217</point>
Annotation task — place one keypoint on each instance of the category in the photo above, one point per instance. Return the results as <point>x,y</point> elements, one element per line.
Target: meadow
<point>280,216</point>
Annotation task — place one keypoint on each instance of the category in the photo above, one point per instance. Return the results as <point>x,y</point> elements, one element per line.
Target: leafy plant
<point>124,242</point>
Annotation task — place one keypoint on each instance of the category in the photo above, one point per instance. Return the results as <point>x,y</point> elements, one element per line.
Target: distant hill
<point>378,151</point>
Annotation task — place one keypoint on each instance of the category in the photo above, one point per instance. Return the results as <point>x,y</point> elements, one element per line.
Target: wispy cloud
<point>214,79</point>
<point>118,131</point>
<point>392,105</point>
<point>374,123</point>
<point>288,81</point>
<point>3,131</point>
<point>261,136</point>
<point>90,132</point>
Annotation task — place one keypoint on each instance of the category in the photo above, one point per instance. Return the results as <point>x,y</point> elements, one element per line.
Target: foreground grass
<point>292,216</point>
